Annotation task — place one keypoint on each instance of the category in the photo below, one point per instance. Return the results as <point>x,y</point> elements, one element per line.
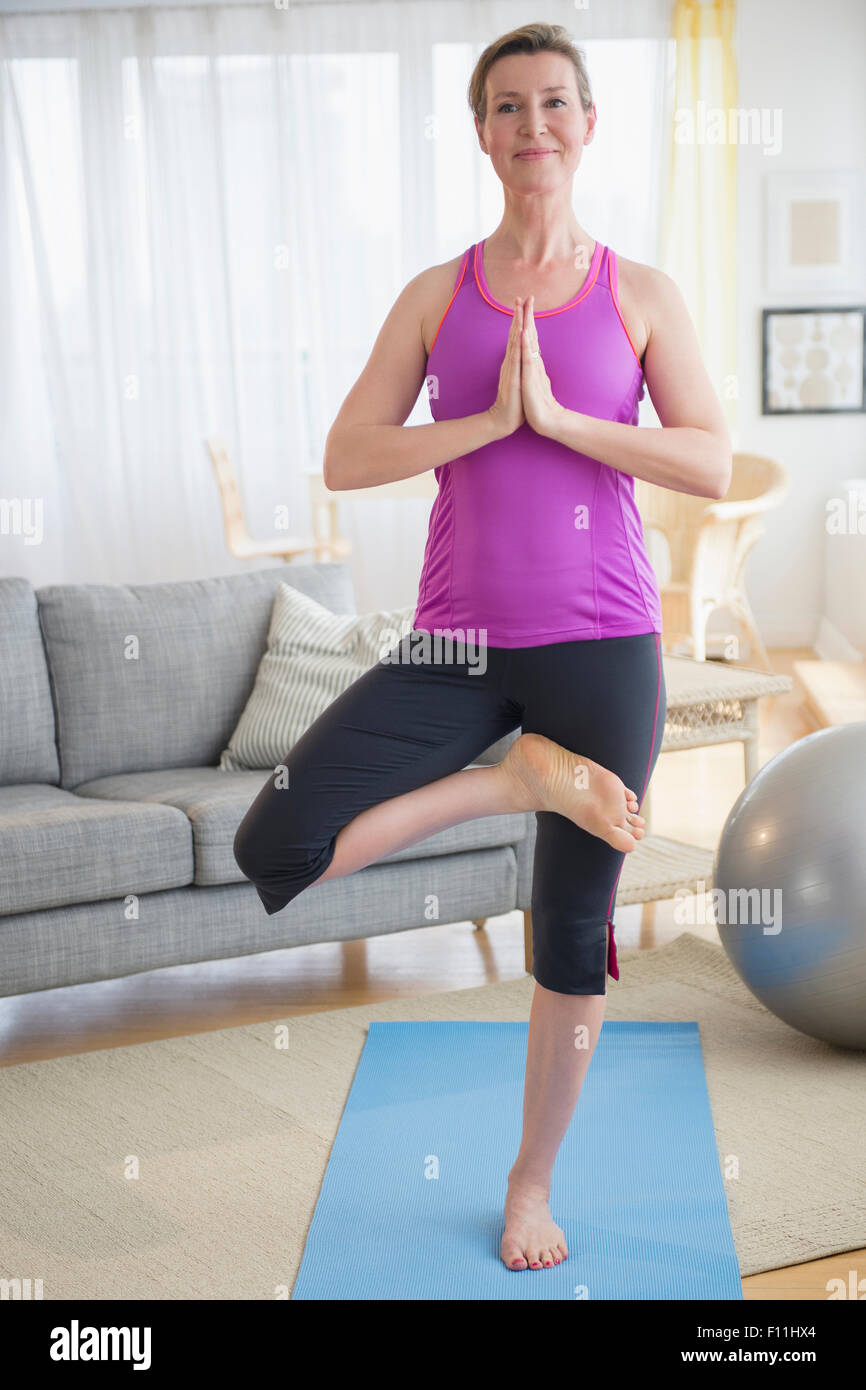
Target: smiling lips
<point>534,154</point>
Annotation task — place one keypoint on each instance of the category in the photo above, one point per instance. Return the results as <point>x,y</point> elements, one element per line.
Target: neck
<point>538,244</point>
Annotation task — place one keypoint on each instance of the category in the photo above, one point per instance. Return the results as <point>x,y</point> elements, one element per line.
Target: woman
<point>536,544</point>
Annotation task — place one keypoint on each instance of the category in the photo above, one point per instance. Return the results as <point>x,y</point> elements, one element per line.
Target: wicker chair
<point>708,544</point>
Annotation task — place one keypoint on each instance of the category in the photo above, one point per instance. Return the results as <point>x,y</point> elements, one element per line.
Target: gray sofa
<point>116,822</point>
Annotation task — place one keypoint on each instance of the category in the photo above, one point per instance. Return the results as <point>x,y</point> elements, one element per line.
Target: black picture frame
<point>810,310</point>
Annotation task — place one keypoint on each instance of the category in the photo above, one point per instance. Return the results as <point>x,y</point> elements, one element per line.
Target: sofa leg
<point>527,941</point>
<point>478,922</point>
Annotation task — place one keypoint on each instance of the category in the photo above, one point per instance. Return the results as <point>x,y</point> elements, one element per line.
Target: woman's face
<point>522,115</point>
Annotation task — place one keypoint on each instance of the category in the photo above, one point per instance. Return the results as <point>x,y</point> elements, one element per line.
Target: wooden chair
<point>709,543</point>
<point>324,544</point>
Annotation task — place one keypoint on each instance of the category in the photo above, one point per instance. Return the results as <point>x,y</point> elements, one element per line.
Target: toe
<point>620,839</point>
<point>512,1255</point>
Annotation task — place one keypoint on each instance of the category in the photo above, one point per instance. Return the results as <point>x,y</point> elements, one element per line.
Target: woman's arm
<point>368,443</point>
<point>692,451</point>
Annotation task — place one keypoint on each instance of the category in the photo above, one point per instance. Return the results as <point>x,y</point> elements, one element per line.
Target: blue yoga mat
<point>411,1204</point>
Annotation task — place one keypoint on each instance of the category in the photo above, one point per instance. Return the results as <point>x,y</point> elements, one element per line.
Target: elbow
<point>722,473</point>
<point>330,473</point>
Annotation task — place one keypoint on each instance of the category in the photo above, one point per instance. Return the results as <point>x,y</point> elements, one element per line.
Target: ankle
<point>534,1182</point>
<point>514,796</point>
<point>521,791</point>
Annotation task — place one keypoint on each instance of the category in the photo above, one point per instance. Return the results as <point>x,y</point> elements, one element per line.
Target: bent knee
<point>287,865</point>
<point>250,851</point>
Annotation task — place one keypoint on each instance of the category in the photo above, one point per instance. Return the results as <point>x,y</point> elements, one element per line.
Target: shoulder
<point>646,296</point>
<point>434,287</point>
<point>418,309</point>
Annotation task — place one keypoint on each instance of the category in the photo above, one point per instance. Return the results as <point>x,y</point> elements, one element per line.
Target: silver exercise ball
<point>790,885</point>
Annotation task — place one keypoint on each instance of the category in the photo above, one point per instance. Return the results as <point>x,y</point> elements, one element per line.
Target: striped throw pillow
<point>313,655</point>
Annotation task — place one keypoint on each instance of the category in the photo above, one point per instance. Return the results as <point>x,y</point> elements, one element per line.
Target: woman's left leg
<point>607,699</point>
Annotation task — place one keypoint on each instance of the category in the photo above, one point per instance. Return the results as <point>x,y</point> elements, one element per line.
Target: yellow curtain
<point>699,215</point>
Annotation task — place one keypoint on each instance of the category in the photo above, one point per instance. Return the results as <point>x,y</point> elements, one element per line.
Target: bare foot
<point>532,1239</point>
<point>552,778</point>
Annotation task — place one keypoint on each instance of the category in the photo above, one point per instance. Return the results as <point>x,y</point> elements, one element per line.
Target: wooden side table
<point>709,702</point>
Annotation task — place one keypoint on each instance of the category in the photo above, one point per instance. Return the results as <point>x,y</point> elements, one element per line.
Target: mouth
<point>534,154</point>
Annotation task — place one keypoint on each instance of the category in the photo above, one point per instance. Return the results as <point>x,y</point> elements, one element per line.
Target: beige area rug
<point>231,1135</point>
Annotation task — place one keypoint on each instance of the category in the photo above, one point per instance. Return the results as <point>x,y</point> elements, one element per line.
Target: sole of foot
<point>554,778</point>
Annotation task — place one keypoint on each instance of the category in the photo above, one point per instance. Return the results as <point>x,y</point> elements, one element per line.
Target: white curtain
<point>206,214</point>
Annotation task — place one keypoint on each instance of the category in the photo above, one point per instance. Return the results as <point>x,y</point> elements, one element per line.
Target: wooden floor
<point>693,791</point>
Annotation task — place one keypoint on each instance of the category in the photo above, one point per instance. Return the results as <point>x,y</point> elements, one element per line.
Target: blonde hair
<point>529,38</point>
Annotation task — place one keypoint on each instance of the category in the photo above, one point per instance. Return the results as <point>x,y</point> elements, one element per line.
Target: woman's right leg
<point>382,767</point>
<point>506,787</point>
<point>385,766</point>
<point>403,820</point>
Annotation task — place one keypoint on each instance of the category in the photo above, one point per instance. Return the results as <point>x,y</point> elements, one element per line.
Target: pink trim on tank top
<point>611,256</point>
<point>451,300</point>
<point>591,277</point>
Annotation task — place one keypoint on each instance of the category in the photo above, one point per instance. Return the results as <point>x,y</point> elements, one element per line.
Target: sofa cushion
<point>57,848</point>
<point>154,676</point>
<point>28,752</point>
<point>216,803</point>
<point>313,655</point>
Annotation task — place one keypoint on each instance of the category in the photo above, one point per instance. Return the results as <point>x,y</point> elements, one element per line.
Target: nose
<point>535,123</point>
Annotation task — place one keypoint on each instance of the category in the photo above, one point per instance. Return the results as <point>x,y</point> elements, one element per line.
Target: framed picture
<point>814,243</point>
<point>813,361</point>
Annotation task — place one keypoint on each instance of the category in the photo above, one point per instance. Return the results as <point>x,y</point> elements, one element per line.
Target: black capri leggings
<point>415,717</point>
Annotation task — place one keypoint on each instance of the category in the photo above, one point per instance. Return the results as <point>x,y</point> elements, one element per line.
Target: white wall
<point>809,61</point>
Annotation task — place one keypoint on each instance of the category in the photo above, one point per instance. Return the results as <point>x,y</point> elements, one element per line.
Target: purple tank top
<point>528,539</point>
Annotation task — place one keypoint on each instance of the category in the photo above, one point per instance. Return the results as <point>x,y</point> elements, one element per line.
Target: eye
<point>511,103</point>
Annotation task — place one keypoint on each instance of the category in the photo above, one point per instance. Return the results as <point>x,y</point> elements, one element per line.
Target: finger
<point>515,329</point>
<point>533,330</point>
<point>526,334</point>
<point>517,320</point>
<point>526,342</point>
